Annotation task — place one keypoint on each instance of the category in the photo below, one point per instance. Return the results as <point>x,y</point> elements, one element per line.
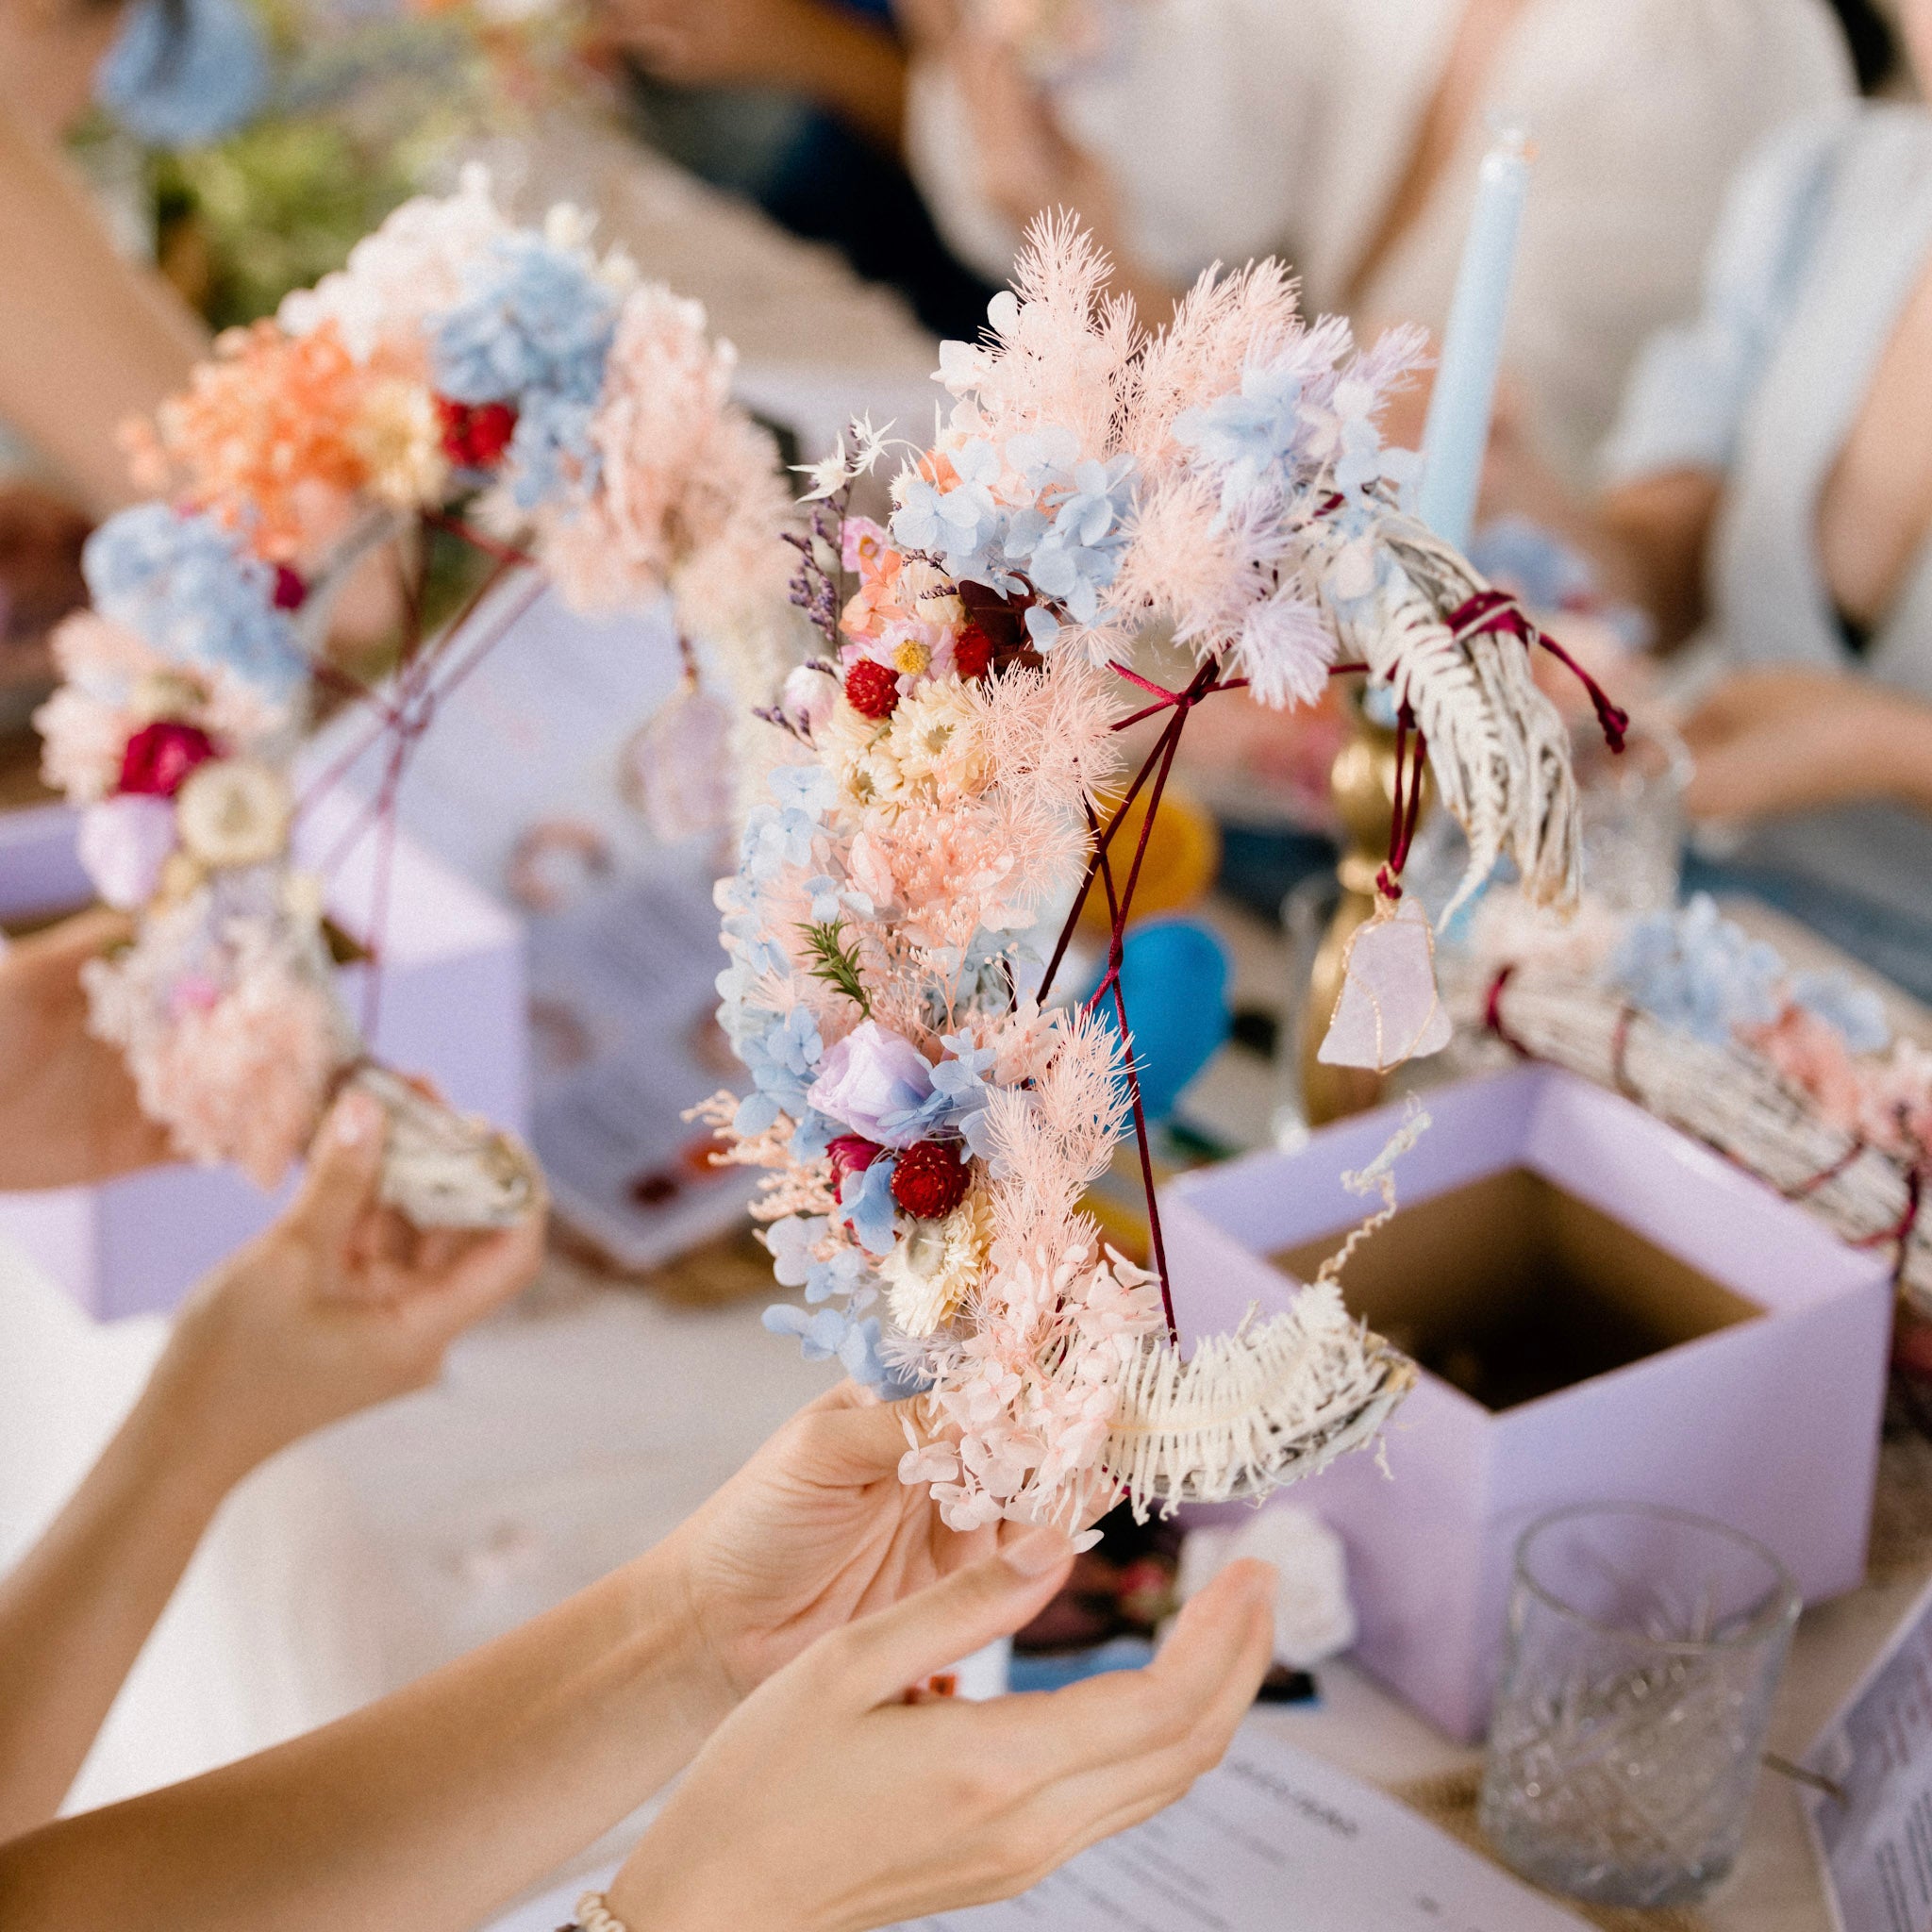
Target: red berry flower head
<point>290,592</point>
<point>972,652</point>
<point>852,1154</point>
<point>872,688</point>
<point>475,435</point>
<point>160,757</point>
<point>931,1179</point>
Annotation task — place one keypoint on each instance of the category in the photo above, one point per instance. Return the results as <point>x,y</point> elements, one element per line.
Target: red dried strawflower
<point>872,688</point>
<point>851,1154</point>
<point>290,592</point>
<point>931,1179</point>
<point>160,757</point>
<point>972,652</point>
<point>475,435</point>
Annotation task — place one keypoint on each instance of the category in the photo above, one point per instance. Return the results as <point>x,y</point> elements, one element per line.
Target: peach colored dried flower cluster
<point>233,1042</point>
<point>270,428</point>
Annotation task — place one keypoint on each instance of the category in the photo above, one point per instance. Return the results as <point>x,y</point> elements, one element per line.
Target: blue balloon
<point>1174,980</point>
<point>184,80</point>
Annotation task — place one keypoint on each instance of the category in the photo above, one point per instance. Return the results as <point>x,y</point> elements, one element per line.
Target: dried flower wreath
<point>505,387</point>
<point>931,1122</point>
<point>1795,1076</point>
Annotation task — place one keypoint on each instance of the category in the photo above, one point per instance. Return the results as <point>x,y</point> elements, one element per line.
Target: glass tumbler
<point>1644,1644</point>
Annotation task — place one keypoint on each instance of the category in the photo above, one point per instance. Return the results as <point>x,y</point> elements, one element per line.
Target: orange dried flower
<point>266,421</point>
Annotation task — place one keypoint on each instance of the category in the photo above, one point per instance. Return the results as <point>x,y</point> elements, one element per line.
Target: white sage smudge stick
<point>445,1169</point>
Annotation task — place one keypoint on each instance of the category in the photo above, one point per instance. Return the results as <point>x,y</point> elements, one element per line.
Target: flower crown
<point>463,379</point>
<point>905,900</point>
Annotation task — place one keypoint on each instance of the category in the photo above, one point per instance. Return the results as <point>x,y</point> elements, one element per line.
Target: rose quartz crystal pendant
<point>1390,1010</point>
<point>677,768</point>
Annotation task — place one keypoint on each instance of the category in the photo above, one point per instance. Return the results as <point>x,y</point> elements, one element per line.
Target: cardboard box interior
<point>1510,1288</point>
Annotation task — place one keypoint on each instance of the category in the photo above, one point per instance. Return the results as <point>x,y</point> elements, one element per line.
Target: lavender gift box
<point>1714,1349</point>
<point>451,1006</point>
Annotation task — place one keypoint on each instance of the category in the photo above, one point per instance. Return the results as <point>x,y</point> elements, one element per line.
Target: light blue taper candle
<point>1458,427</point>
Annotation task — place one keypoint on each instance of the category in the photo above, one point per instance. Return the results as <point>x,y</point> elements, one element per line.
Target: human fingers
<point>1205,1674</point>
<point>70,941</point>
<point>838,1441</point>
<point>1750,698</point>
<point>344,1164</point>
<point>1777,768</point>
<point>1069,1814</point>
<point>876,1656</point>
<point>1062,1815</point>
<point>491,1270</point>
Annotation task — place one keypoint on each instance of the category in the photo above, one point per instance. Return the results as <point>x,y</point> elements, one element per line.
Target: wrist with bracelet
<point>593,1915</point>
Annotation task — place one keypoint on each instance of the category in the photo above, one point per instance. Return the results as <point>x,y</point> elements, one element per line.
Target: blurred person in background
<point>1768,494</point>
<point>93,336</point>
<point>1344,135</point>
<point>831,168</point>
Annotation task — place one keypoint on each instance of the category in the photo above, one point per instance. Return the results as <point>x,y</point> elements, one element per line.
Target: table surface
<point>569,1434</point>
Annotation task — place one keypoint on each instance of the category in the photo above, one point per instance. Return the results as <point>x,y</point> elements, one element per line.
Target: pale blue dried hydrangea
<point>867,1199</point>
<point>829,1332</point>
<point>1855,1012</point>
<point>791,1242</point>
<point>533,330</point>
<point>1695,971</point>
<point>959,1082</point>
<point>192,590</point>
<point>782,1061</point>
<point>1071,544</point>
<point>1068,542</point>
<point>1253,435</point>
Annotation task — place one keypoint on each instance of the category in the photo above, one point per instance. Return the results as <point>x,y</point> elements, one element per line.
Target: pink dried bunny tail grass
<point>1050,735</point>
<point>1060,352</point>
<point>1051,1142</point>
<point>1217,328</point>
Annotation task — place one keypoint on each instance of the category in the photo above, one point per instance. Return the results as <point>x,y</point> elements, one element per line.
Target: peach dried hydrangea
<point>271,419</point>
<point>234,1051</point>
